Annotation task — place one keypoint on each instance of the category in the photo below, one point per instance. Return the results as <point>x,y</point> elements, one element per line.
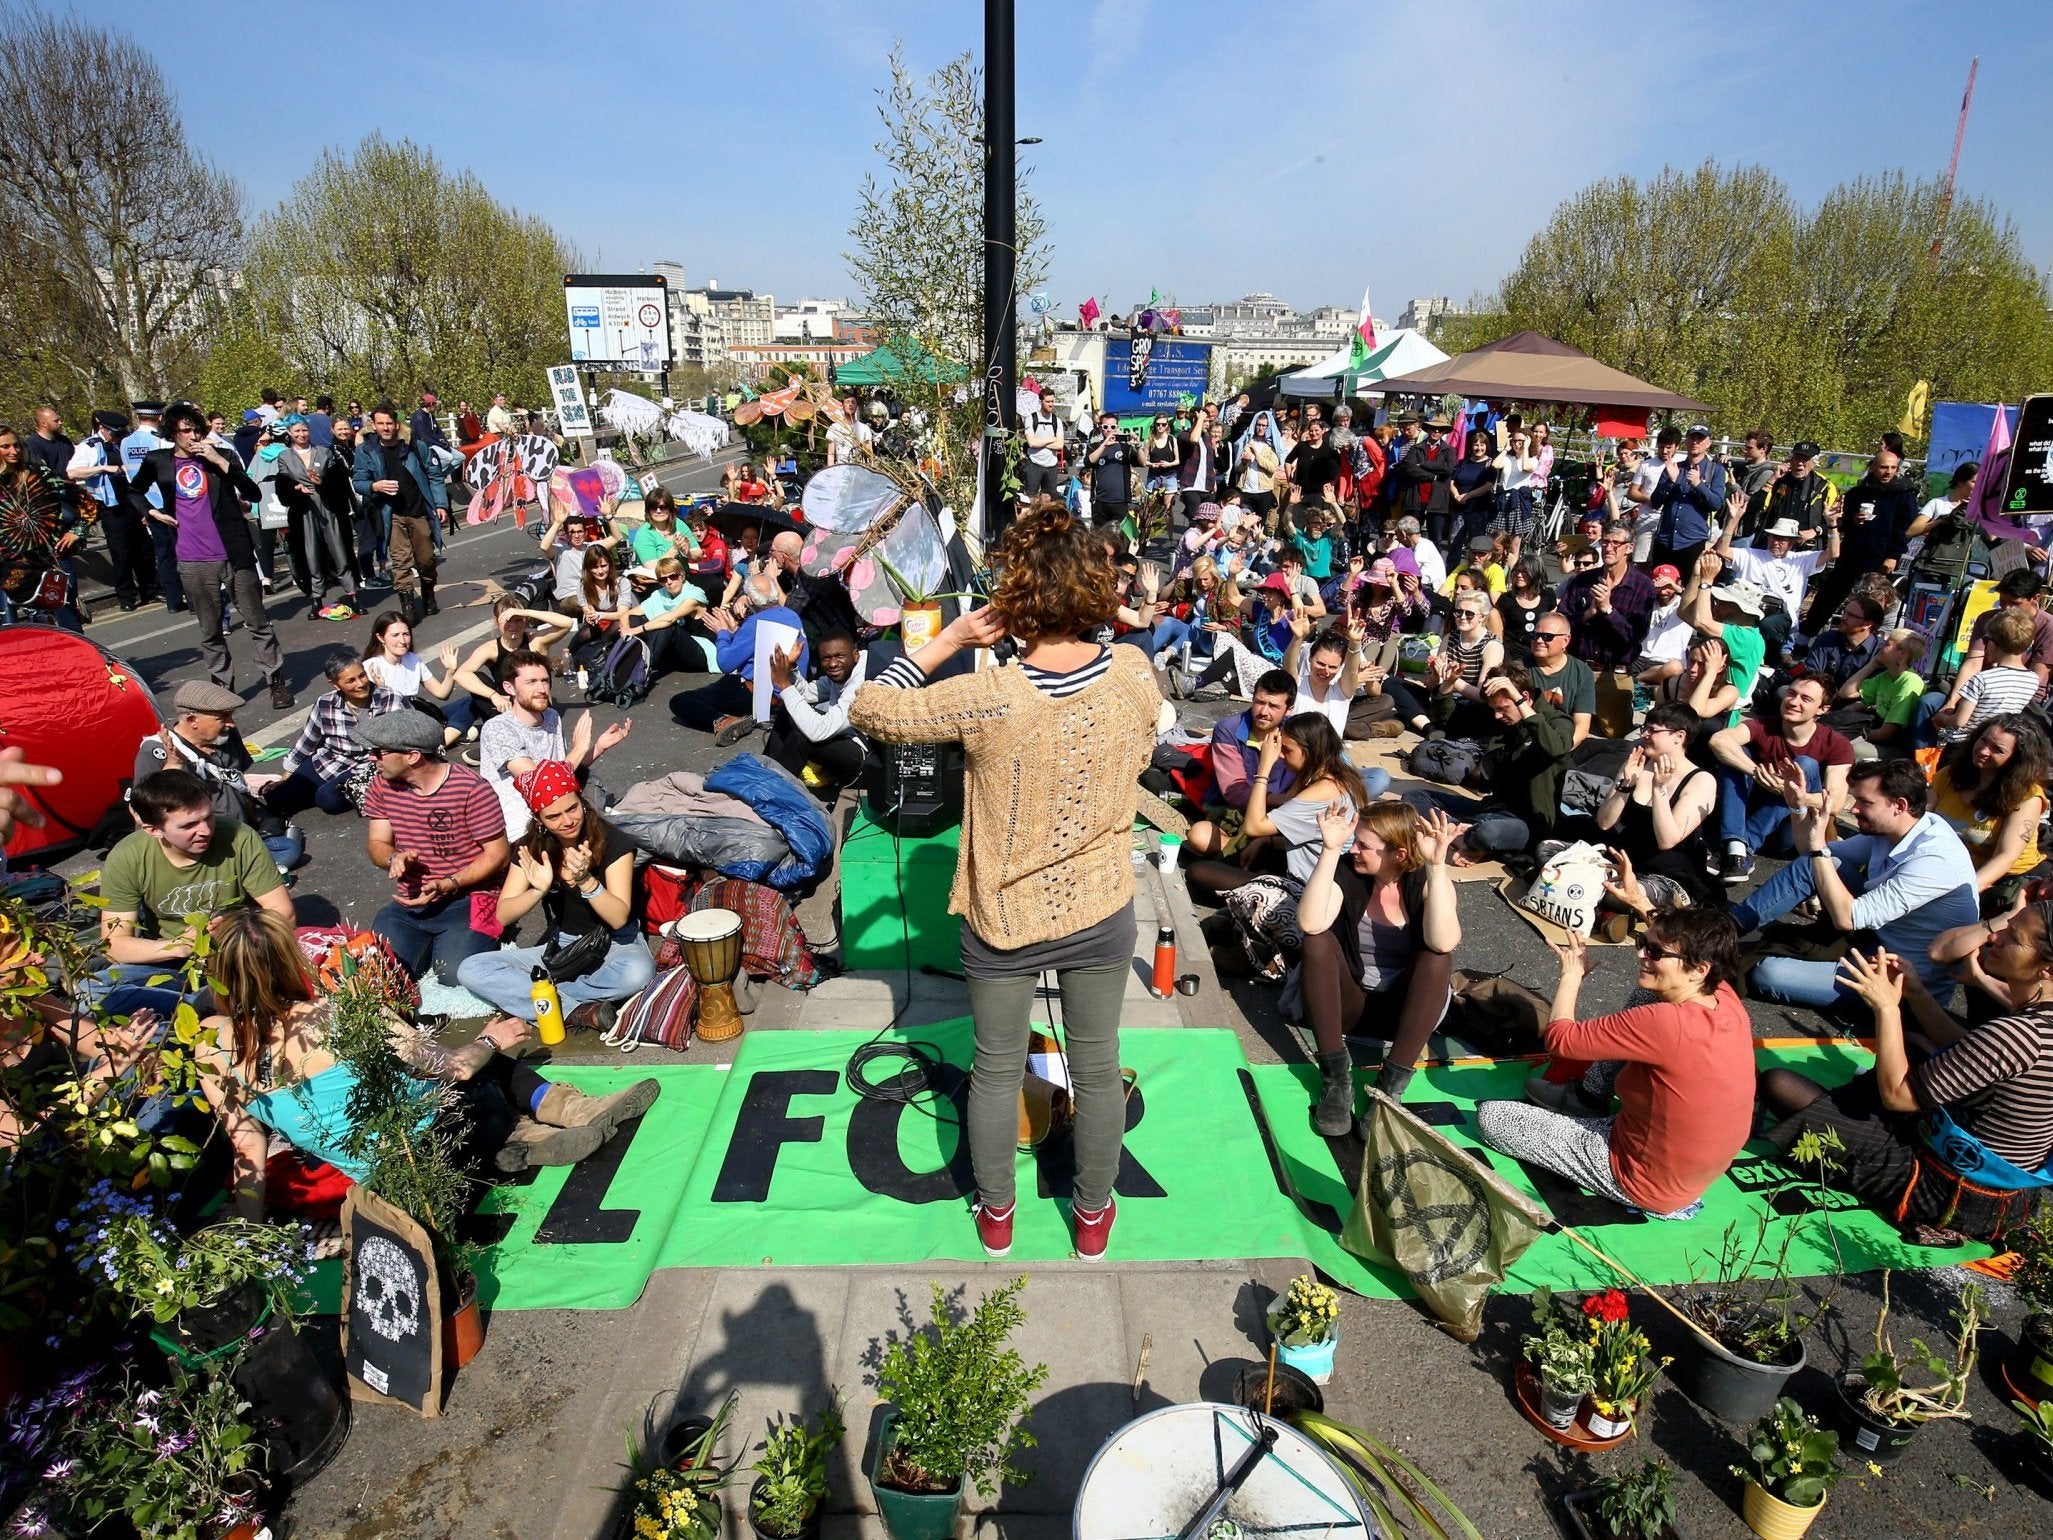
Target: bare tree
<point>126,233</point>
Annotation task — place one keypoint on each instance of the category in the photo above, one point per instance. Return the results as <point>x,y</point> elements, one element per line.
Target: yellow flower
<point>1874,1469</point>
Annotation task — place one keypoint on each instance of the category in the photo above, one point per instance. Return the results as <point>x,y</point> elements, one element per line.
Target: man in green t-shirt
<point>181,870</point>
<point>1731,613</point>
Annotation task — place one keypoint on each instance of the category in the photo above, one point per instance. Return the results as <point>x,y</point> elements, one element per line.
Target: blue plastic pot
<point>1315,1363</point>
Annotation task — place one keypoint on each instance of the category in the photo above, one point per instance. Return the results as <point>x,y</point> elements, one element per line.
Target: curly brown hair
<point>1054,578</point>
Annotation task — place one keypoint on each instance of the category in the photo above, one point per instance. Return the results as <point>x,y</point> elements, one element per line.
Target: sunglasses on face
<point>1653,951</point>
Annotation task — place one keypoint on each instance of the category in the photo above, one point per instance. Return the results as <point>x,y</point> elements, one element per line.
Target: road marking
<point>289,726</point>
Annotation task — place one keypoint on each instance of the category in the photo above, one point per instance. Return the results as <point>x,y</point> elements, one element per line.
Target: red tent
<point>70,704</point>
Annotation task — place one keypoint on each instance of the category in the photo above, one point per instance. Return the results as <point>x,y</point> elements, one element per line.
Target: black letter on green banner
<point>762,1128</point>
<point>873,1145</point>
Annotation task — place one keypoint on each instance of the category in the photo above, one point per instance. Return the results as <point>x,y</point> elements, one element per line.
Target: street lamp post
<point>1001,267</point>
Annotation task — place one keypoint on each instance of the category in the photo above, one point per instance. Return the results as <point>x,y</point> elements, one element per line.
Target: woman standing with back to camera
<point>1053,748</point>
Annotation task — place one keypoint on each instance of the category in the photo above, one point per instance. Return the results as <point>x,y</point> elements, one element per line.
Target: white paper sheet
<point>770,634</point>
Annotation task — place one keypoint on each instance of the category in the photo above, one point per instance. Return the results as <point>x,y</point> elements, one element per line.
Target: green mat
<point>1659,1251</point>
<point>894,898</point>
<point>775,1162</point>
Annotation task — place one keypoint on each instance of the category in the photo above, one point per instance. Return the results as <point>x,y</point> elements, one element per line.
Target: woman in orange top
<point>1682,1068</point>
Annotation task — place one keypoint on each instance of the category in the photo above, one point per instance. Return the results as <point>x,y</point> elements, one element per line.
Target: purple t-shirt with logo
<point>198,539</point>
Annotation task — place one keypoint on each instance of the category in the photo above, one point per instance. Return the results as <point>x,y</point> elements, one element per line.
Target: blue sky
<point>1204,147</point>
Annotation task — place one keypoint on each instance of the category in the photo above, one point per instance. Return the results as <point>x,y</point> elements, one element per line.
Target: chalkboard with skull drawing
<point>391,1306</point>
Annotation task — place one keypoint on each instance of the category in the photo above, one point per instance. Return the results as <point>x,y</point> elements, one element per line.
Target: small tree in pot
<point>959,1399</point>
<point>1753,1315</point>
<point>1883,1409</point>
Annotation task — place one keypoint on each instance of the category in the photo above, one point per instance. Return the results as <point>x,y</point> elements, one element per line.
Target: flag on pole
<point>1087,313</point>
<point>1363,342</point>
<point>1987,504</point>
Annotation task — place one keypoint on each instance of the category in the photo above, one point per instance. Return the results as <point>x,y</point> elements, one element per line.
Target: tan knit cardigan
<point>1048,799</point>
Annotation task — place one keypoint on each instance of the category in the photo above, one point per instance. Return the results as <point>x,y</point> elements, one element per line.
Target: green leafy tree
<point>919,228</point>
<point>383,273</point>
<point>116,238</point>
<point>1815,323</point>
<point>918,253</point>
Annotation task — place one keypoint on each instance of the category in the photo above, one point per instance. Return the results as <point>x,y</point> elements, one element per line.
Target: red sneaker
<point>1093,1230</point>
<point>994,1227</point>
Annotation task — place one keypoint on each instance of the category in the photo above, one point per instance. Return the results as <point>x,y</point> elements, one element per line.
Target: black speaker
<point>916,788</point>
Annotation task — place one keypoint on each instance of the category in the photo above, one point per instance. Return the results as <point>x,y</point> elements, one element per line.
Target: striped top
<point>1997,1083</point>
<point>447,828</point>
<point>1468,656</point>
<point>904,674</point>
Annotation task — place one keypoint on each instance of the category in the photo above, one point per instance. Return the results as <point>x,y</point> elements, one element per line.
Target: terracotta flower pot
<point>463,1324</point>
<point>1773,1519</point>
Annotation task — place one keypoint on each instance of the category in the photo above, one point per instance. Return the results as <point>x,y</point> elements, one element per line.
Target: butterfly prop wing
<point>849,497</point>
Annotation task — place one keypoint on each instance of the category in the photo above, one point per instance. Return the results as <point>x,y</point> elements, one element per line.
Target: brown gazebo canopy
<point>1529,367</point>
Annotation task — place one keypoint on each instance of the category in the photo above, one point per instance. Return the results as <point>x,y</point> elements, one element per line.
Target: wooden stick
<point>1269,1390</point>
<point>1639,1283</point>
<point>1140,1370</point>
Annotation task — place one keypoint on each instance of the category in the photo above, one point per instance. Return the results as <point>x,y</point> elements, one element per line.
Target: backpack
<point>622,676</point>
<point>1450,761</point>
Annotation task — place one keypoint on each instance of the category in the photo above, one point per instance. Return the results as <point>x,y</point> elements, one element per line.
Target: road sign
<point>618,322</point>
<point>570,399</point>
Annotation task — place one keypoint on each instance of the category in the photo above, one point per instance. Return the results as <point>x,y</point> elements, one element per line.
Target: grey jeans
<point>203,580</point>
<point>1004,1008</point>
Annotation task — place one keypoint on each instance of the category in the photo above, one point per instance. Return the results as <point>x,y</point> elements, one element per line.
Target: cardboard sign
<point>391,1306</point>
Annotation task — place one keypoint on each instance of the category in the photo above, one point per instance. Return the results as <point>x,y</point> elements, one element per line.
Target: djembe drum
<point>711,940</point>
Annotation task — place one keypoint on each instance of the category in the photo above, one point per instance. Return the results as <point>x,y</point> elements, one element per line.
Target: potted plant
<point>222,1300</point>
<point>2038,1441</point>
<point>959,1400</point>
<point>407,1133</point>
<point>1881,1411</point>
<point>1305,1321</point>
<point>663,1467</point>
<point>791,1477</point>
<point>670,1504</point>
<point>1622,1365</point>
<point>1751,1315</point>
<point>1639,1505</point>
<point>1791,1466</point>
<point>2030,1368</point>
<point>1559,1349</point>
<point>180,1463</point>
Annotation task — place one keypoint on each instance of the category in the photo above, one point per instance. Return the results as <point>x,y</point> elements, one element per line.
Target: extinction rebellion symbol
<point>1456,1233</point>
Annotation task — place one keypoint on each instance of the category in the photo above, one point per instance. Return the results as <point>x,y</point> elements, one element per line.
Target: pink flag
<point>1987,503</point>
<point>1087,313</point>
<point>1458,439</point>
<point>1367,324</point>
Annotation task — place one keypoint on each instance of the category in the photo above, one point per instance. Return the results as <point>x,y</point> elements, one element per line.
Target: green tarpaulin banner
<point>775,1161</point>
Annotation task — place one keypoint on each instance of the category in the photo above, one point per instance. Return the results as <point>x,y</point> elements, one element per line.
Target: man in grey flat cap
<point>202,739</point>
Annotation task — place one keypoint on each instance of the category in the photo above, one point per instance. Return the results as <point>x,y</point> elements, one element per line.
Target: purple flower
<point>60,1470</point>
<point>32,1521</point>
<point>145,1421</point>
<point>177,1443</point>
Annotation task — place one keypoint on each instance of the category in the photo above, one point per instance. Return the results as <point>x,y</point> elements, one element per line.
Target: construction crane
<point>1967,98</point>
